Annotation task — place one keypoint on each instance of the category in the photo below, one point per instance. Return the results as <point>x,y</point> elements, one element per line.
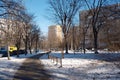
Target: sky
<point>39,9</point>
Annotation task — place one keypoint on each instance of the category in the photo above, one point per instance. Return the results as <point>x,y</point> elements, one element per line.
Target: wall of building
<point>54,36</point>
<point>109,31</point>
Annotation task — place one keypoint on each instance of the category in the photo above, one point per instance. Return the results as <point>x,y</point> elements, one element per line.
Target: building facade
<point>55,36</point>
<point>108,36</point>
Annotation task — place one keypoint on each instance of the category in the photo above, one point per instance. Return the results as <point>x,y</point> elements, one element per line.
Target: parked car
<point>3,53</point>
<point>4,50</point>
<point>19,52</point>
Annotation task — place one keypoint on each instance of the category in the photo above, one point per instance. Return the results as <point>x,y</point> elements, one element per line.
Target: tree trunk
<point>96,42</point>
<point>36,46</point>
<point>73,39</point>
<point>18,48</point>
<point>8,53</point>
<point>66,45</point>
<point>18,52</point>
<point>84,43</point>
<point>30,49</point>
<point>26,47</point>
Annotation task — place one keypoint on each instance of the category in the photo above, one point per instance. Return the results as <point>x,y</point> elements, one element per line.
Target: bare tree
<point>17,26</point>
<point>84,24</point>
<point>18,22</point>
<point>9,9</point>
<point>64,12</point>
<point>26,19</point>
<point>30,38</point>
<point>34,37</point>
<point>74,38</point>
<point>111,30</point>
<point>17,35</point>
<point>96,8</point>
<point>37,35</point>
<point>43,43</point>
<point>30,31</point>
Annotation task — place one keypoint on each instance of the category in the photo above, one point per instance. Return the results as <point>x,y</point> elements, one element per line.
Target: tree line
<point>97,18</point>
<point>18,26</point>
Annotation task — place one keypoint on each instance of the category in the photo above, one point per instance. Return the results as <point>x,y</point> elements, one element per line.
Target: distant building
<point>55,36</point>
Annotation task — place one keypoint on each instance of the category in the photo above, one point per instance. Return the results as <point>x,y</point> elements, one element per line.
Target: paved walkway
<point>32,69</point>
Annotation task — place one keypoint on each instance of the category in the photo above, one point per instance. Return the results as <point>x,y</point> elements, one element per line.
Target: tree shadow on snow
<point>32,69</point>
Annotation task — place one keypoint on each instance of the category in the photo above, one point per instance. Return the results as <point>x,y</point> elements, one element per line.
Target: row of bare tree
<point>18,26</point>
<point>97,17</point>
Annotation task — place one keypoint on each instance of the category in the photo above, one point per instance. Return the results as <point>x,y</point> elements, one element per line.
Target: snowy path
<point>8,68</point>
<point>32,69</point>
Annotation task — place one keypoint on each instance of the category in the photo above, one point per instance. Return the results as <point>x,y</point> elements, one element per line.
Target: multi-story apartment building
<point>108,36</point>
<point>55,36</point>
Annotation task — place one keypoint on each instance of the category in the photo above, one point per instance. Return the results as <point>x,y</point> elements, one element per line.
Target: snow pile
<point>83,67</point>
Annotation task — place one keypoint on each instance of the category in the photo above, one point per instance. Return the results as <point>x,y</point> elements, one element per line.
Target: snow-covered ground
<point>84,66</point>
<point>9,67</point>
<point>74,67</point>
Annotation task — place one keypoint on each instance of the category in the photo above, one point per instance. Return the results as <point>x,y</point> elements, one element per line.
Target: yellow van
<point>12,48</point>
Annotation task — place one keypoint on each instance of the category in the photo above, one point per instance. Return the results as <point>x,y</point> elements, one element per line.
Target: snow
<point>8,68</point>
<point>74,66</point>
<point>84,66</point>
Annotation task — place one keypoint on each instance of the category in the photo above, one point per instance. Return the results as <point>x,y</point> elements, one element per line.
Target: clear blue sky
<point>39,9</point>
